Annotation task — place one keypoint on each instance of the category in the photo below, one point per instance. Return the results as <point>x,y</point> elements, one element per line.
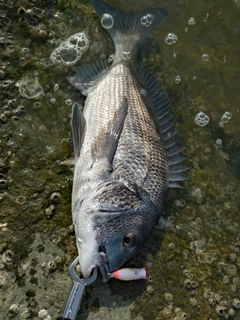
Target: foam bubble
<point>56,87</point>
<point>111,58</point>
<point>147,20</point>
<point>201,119</point>
<point>107,21</point>
<point>125,55</point>
<point>226,117</point>
<point>205,57</point>
<point>52,100</point>
<point>221,124</point>
<point>171,38</point>
<point>70,51</point>
<point>219,142</point>
<point>191,21</point>
<point>177,80</point>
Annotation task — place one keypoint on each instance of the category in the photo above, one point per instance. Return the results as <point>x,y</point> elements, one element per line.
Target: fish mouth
<point>102,263</point>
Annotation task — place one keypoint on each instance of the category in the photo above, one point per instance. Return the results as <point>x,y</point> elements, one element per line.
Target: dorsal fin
<point>158,105</point>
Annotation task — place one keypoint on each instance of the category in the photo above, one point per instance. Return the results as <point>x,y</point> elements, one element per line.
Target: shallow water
<point>195,264</point>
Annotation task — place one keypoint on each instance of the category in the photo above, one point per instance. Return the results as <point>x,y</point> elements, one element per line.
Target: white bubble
<point>107,21</point>
<point>219,142</point>
<point>205,57</point>
<point>125,55</point>
<point>177,79</point>
<point>68,102</point>
<point>52,100</point>
<point>171,38</point>
<point>186,29</point>
<point>226,117</point>
<point>147,20</point>
<point>221,124</point>
<point>56,87</point>
<point>191,21</point>
<point>70,51</point>
<point>111,58</point>
<point>201,119</point>
<point>42,314</point>
<point>206,17</point>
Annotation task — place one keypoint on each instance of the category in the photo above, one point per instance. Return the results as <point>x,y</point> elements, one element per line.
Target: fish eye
<point>129,240</point>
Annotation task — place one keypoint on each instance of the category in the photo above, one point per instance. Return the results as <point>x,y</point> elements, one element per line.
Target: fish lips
<point>102,264</point>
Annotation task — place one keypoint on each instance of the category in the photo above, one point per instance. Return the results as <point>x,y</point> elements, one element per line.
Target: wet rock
<point>3,246</point>
<point>25,313</point>
<point>50,210</point>
<point>55,197</point>
<point>42,314</point>
<point>2,74</point>
<point>52,265</point>
<point>14,309</point>
<point>7,256</point>
<point>168,297</point>
<point>3,118</point>
<point>236,303</point>
<point>150,289</point>
<point>30,88</point>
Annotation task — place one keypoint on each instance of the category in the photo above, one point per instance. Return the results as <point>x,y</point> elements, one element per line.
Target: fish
<point>126,149</point>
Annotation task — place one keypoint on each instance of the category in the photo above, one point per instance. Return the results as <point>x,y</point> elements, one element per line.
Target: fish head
<point>113,227</point>
<point>125,236</point>
<point>112,224</point>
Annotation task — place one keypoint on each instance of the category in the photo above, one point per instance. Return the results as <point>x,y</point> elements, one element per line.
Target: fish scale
<point>139,134</point>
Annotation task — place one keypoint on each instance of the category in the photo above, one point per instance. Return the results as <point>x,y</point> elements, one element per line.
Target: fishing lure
<point>128,274</point>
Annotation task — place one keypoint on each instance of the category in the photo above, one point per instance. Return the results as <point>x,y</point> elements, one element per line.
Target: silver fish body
<point>122,169</point>
<point>140,157</point>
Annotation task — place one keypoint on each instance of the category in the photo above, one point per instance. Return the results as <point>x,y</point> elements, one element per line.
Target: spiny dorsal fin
<point>158,106</point>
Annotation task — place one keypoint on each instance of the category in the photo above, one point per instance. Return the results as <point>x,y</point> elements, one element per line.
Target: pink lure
<point>128,274</point>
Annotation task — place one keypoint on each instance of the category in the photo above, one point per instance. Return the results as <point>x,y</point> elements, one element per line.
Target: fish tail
<point>128,29</point>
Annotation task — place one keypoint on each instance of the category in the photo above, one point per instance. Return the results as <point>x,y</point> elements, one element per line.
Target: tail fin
<point>128,29</point>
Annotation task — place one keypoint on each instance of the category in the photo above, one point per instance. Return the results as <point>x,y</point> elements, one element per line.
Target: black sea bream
<point>126,150</point>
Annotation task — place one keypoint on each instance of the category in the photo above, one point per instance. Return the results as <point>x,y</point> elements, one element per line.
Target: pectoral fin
<point>106,145</point>
<point>78,129</point>
<point>114,131</point>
